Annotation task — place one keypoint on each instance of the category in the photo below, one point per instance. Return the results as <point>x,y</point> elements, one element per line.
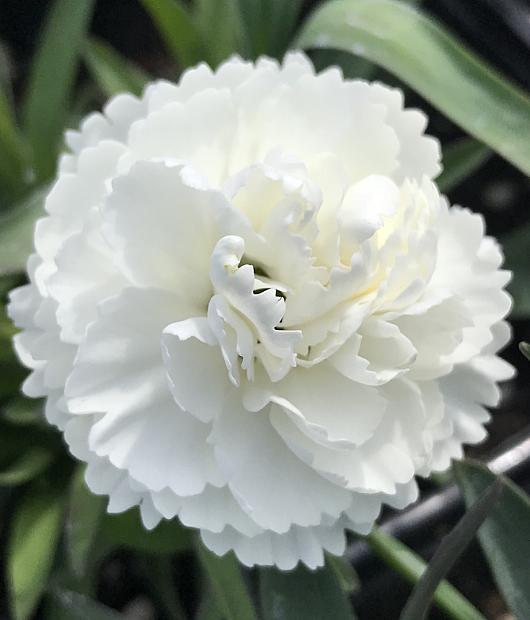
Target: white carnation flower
<point>250,308</point>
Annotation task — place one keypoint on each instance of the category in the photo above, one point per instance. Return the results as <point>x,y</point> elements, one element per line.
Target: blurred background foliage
<point>62,556</point>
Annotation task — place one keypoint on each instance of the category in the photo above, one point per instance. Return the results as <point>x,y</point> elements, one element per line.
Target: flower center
<point>245,314</point>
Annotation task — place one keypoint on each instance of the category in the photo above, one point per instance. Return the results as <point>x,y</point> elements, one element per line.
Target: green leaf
<point>28,464</point>
<point>226,585</point>
<point>524,347</point>
<point>345,573</point>
<point>83,519</point>
<point>208,609</point>
<point>51,80</point>
<point>16,232</point>
<point>67,605</point>
<point>424,55</point>
<point>351,66</point>
<point>112,72</point>
<point>126,530</point>
<point>13,150</point>
<point>303,594</point>
<point>220,24</point>
<point>23,411</point>
<point>269,25</point>
<point>450,549</point>
<point>177,29</point>
<point>515,246</point>
<point>31,546</point>
<point>158,575</point>
<point>505,536</point>
<point>460,160</point>
<point>411,567</point>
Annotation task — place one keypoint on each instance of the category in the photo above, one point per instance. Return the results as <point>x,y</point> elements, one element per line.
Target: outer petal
<point>119,372</point>
<point>299,544</point>
<point>419,154</point>
<point>260,467</point>
<point>86,274</point>
<point>162,230</point>
<point>324,404</point>
<point>384,461</point>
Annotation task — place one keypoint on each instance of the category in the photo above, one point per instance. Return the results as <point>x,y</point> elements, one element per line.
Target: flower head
<point>249,307</point>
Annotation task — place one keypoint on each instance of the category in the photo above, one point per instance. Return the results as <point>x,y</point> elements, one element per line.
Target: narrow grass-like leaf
<point>67,605</point>
<point>226,585</point>
<point>345,573</point>
<point>11,372</point>
<point>208,609</point>
<point>51,80</point>
<point>460,160</point>
<point>450,549</point>
<point>178,30</point>
<point>515,247</point>
<point>31,546</point>
<point>16,232</point>
<point>29,463</point>
<point>111,71</point>
<point>411,567</point>
<point>269,25</point>
<point>302,594</point>
<point>352,67</point>
<point>13,151</point>
<point>424,55</point>
<point>505,536</point>
<point>83,519</point>
<point>524,347</point>
<point>221,25</point>
<point>23,411</point>
<point>159,578</point>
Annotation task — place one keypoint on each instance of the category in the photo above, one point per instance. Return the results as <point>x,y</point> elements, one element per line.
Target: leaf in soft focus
<point>13,150</point>
<point>23,411</point>
<point>83,519</point>
<point>207,607</point>
<point>303,594</point>
<point>227,588</point>
<point>159,579</point>
<point>220,24</point>
<point>515,247</point>
<point>25,452</point>
<point>351,66</point>
<point>66,605</point>
<point>126,530</point>
<point>345,573</point>
<point>460,160</point>
<point>269,25</point>
<point>51,81</point>
<point>449,551</point>
<point>424,55</point>
<point>31,545</point>
<point>112,72</point>
<point>505,536</point>
<point>11,372</point>
<point>524,347</point>
<point>16,232</point>
<point>29,463</point>
<point>411,567</point>
<point>178,30</point>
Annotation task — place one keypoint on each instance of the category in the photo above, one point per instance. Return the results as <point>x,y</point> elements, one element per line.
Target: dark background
<point>499,30</point>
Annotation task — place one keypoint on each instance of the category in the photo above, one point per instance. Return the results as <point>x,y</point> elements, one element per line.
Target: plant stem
<point>410,566</point>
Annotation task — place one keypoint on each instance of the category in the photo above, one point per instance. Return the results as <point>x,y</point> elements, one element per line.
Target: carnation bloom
<point>251,309</point>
